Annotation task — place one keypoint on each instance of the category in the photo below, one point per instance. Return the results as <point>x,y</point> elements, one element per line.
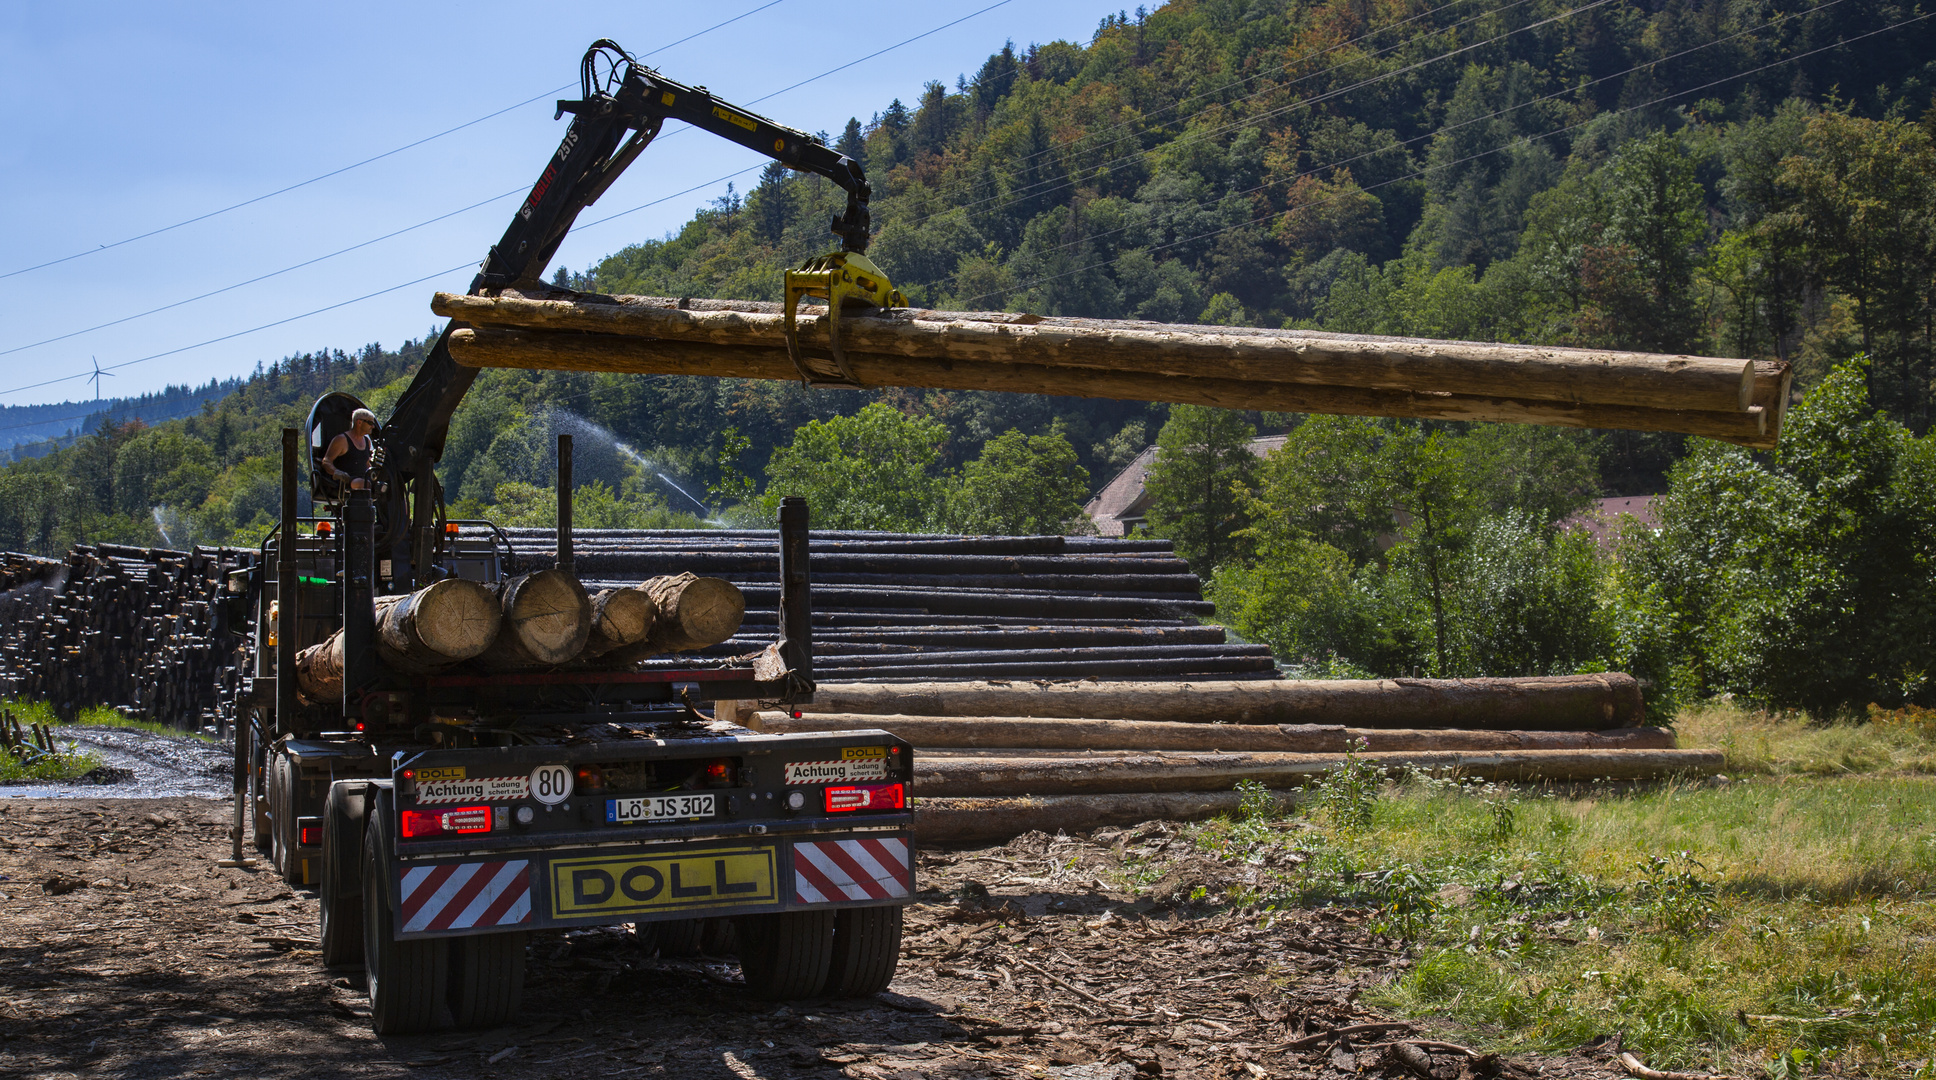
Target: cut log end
<point>620,617</point>
<point>547,620</point>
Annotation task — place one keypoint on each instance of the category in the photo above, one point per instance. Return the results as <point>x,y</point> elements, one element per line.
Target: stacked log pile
<point>127,627</point>
<point>1735,401</point>
<point>908,608</point>
<point>995,759</point>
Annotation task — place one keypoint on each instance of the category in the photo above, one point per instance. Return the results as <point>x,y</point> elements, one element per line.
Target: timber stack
<point>901,608</point>
<point>126,627</point>
<point>997,758</point>
<point>1736,401</point>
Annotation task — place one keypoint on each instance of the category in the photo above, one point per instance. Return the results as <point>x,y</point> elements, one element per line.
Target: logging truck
<point>450,743</point>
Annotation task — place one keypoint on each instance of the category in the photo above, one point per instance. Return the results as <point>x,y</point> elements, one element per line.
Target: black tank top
<point>354,462</point>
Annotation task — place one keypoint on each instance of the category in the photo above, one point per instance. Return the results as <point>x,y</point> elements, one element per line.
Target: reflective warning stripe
<point>457,896</point>
<point>872,869</point>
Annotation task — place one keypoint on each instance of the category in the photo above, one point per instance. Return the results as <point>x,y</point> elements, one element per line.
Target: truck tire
<point>785,956</point>
<point>867,947</point>
<point>676,938</point>
<point>407,979</point>
<point>486,978</point>
<point>282,819</point>
<point>258,797</point>
<point>341,888</point>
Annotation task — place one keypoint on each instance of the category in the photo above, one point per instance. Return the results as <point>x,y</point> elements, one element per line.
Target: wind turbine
<point>97,377</point>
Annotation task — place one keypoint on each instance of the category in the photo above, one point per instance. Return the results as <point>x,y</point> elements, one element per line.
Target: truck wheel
<point>486,978</point>
<point>406,978</point>
<point>785,956</point>
<point>258,798</point>
<point>677,938</point>
<point>342,885</point>
<point>867,946</point>
<point>282,819</point>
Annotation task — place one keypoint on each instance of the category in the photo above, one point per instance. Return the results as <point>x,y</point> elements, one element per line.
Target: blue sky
<point>122,118</point>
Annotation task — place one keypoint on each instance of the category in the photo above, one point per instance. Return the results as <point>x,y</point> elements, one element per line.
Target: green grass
<point>69,764</point>
<point>94,716</point>
<point>1773,924</point>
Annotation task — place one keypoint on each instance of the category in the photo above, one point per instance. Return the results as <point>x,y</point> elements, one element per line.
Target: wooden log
<point>565,351</point>
<point>966,820</point>
<point>1152,771</point>
<point>547,620</point>
<point>693,613</point>
<point>443,623</point>
<point>319,670</point>
<point>971,733</point>
<point>620,617</point>
<point>1311,358</point>
<point>1555,703</point>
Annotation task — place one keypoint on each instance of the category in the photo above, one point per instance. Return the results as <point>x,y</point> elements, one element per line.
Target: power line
<point>359,164</point>
<point>1484,153</point>
<point>1443,129</point>
<point>394,288</point>
<point>251,330</point>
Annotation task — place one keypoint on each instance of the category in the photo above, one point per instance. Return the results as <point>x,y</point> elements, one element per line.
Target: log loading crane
<point>443,815</point>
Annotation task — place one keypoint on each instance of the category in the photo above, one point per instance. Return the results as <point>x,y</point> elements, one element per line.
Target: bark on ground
<point>126,952</point>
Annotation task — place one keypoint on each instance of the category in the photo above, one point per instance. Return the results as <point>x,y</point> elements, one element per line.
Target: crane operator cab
<point>333,417</point>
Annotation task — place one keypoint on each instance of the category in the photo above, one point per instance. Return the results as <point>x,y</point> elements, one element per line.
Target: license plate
<point>659,808</point>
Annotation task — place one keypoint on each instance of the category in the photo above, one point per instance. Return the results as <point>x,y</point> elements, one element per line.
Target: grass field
<point>1774,924</point>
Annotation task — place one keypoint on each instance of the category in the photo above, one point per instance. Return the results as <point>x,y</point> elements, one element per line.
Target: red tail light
<point>865,797</point>
<point>719,771</point>
<point>310,835</point>
<point>418,824</point>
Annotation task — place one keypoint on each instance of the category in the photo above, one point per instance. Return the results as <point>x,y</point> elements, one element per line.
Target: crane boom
<point>622,106</point>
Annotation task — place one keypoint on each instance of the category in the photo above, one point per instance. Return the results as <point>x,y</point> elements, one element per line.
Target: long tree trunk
<point>1152,771</point>
<point>1029,734</point>
<point>562,351</point>
<point>1253,356</point>
<point>1554,703</point>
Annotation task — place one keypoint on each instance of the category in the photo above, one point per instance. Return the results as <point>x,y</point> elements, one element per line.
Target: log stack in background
<point>910,608</point>
<point>1735,401</point>
<point>126,627</point>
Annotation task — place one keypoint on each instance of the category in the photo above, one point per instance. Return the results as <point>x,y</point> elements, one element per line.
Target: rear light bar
<point>866,797</point>
<point>417,824</point>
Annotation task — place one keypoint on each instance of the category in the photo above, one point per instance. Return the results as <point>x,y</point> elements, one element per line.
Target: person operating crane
<point>347,460</point>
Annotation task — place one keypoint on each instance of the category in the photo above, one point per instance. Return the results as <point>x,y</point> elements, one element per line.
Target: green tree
<point>1866,210</point>
<point>1199,483</point>
<point>872,470</point>
<point>1019,485</point>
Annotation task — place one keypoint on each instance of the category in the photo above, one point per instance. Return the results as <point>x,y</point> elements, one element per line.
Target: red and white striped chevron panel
<point>457,896</point>
<point>825,871</point>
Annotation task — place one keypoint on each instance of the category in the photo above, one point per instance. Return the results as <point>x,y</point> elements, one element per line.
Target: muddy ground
<point>125,951</point>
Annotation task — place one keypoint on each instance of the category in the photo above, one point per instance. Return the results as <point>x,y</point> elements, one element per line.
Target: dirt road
<point>126,952</point>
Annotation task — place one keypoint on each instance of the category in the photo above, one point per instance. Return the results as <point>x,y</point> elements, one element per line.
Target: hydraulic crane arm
<point>622,108</point>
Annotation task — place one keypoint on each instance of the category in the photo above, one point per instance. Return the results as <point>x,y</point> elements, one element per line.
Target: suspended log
<point>971,733</point>
<point>319,670</point>
<point>693,613</point>
<point>965,820</point>
<point>620,617</point>
<point>438,625</point>
<point>547,620</point>
<point>569,351</point>
<point>1555,703</point>
<point>1292,357</point>
<point>1153,771</point>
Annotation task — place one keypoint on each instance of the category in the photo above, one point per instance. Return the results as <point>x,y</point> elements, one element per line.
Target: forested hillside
<point>1729,177</point>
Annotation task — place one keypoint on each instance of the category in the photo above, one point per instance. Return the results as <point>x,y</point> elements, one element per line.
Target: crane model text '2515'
<point>453,741</point>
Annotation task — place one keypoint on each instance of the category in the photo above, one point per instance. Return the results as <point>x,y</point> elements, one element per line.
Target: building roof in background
<point>1123,504</point>
<point>1602,519</point>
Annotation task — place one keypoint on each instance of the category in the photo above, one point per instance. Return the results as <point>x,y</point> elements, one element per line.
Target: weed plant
<point>1780,924</point>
